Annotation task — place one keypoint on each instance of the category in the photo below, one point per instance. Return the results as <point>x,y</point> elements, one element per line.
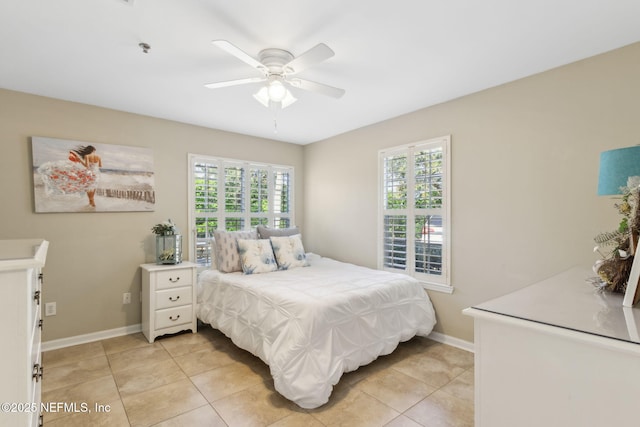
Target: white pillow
<point>289,251</point>
<point>227,256</point>
<point>266,232</point>
<point>256,256</point>
<point>212,246</point>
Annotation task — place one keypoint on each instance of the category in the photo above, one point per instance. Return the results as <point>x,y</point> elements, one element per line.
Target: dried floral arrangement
<point>614,267</point>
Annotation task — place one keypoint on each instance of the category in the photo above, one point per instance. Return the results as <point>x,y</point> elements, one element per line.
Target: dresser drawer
<point>174,297</point>
<point>34,345</point>
<point>173,278</point>
<point>35,295</point>
<point>173,316</point>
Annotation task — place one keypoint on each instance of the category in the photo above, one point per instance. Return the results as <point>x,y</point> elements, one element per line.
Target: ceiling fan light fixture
<point>264,98</point>
<point>288,100</point>
<point>276,91</point>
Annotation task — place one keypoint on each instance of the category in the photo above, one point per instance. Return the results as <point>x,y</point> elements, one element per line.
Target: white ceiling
<point>390,57</point>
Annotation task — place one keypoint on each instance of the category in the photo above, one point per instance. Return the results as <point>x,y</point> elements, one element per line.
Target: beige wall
<point>524,176</point>
<point>94,257</point>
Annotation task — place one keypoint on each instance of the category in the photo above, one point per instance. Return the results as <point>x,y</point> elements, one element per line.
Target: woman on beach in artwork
<point>78,174</point>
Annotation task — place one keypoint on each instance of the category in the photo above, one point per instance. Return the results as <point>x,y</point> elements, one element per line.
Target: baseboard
<point>133,329</point>
<point>452,341</point>
<point>94,336</point>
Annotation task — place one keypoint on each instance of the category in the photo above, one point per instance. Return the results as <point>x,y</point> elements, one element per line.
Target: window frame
<point>440,282</point>
<point>222,163</point>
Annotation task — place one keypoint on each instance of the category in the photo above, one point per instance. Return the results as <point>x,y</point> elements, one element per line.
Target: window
<point>234,195</point>
<point>414,211</point>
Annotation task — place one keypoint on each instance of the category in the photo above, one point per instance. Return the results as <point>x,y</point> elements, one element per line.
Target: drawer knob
<point>172,299</point>
<point>174,319</point>
<point>38,370</point>
<point>176,280</point>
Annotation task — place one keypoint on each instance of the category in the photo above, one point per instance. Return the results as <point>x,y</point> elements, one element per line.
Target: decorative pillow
<point>256,256</point>
<point>212,247</point>
<point>289,251</point>
<point>266,232</point>
<point>227,256</point>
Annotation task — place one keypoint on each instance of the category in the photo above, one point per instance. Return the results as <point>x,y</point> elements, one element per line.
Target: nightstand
<point>168,299</point>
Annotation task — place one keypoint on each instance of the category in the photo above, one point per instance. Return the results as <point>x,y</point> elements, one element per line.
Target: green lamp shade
<point>616,166</point>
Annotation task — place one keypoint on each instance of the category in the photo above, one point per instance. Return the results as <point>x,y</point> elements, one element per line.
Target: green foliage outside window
<point>207,200</point>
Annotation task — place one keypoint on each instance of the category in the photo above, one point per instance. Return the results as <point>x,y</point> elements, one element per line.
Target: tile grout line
<point>129,345</point>
<point>196,387</point>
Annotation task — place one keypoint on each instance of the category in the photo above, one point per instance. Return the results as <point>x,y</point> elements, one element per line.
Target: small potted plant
<point>168,243</point>
<point>166,228</point>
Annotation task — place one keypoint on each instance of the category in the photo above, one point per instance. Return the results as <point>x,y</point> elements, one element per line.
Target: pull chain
<point>275,108</point>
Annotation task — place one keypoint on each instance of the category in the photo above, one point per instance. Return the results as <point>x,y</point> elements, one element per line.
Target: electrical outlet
<point>126,298</point>
<point>50,309</point>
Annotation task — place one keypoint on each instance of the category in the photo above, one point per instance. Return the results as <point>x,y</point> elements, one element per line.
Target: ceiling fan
<point>279,68</point>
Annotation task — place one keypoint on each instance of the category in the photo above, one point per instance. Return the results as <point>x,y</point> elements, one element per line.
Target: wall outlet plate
<point>126,298</point>
<point>50,309</point>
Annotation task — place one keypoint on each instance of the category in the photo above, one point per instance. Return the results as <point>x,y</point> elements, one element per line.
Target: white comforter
<point>312,324</point>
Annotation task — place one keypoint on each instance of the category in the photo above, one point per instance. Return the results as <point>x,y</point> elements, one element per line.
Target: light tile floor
<point>204,380</point>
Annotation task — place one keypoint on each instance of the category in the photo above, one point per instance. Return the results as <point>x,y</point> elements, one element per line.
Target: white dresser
<point>557,354</point>
<point>21,370</point>
<point>168,299</point>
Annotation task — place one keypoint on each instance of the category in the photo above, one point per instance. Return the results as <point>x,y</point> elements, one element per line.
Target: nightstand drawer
<point>173,316</point>
<point>174,278</point>
<point>174,297</point>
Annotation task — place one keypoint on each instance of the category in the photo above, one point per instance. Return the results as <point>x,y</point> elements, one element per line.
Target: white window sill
<point>438,287</point>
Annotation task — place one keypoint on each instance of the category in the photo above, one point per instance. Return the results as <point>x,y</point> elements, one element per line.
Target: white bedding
<point>312,324</point>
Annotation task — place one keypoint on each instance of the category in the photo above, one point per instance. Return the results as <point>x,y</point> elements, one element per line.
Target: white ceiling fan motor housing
<point>275,60</point>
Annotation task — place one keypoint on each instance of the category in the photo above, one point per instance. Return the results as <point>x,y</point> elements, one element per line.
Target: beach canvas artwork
<point>76,176</point>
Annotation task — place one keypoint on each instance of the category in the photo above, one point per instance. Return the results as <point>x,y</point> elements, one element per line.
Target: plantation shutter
<point>414,210</point>
<point>235,195</point>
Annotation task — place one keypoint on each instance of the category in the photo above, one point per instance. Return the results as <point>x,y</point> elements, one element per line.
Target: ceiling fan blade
<point>239,53</point>
<point>327,90</point>
<point>314,55</point>
<point>235,82</point>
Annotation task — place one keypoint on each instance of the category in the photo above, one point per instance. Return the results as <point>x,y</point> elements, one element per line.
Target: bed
<point>313,323</point>
<point>309,318</point>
